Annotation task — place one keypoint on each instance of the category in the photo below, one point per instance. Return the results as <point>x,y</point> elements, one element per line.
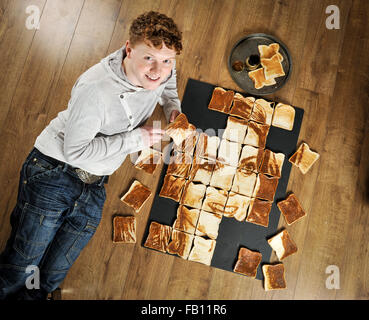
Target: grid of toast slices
<point>229,177</point>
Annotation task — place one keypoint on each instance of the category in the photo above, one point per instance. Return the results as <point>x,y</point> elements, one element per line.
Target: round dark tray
<point>247,46</point>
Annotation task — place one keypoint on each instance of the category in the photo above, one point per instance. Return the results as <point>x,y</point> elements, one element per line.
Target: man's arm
<point>86,116</point>
<point>169,98</point>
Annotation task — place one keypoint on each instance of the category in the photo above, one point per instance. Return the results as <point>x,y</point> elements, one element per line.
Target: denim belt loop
<point>65,167</point>
<point>102,181</point>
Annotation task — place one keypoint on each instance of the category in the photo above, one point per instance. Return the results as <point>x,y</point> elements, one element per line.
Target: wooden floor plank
<point>321,56</point>
<point>27,111</point>
<point>354,276</point>
<point>316,107</point>
<point>15,42</point>
<point>336,184</point>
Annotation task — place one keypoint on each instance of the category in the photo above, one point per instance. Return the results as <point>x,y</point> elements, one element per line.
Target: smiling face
<point>147,66</point>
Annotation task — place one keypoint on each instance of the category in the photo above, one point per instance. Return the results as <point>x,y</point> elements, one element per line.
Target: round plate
<point>248,46</point>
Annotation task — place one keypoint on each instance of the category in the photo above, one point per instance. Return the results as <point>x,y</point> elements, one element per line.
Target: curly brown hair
<point>156,28</point>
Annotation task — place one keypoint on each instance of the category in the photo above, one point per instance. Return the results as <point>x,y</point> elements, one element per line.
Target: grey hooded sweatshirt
<point>99,128</point>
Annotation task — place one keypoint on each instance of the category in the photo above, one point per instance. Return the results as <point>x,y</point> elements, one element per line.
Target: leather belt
<point>87,177</point>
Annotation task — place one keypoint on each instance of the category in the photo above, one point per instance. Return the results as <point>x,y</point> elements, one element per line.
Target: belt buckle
<point>87,177</point>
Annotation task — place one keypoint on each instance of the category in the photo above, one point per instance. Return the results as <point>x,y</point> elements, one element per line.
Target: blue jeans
<point>55,216</point>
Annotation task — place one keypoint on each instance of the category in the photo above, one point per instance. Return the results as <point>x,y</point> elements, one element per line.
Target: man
<point>61,190</point>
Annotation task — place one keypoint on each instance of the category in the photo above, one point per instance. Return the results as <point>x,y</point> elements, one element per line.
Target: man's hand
<point>151,135</point>
<point>174,114</point>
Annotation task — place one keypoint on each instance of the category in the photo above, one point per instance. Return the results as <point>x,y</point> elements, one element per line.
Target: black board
<point>232,234</point>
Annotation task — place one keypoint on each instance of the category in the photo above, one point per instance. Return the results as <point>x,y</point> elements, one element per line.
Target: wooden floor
<point>329,81</point>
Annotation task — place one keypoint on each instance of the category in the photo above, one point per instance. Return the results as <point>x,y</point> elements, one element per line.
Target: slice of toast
<point>180,129</point>
<point>248,262</point>
<point>274,277</point>
<point>221,100</point>
<point>291,209</point>
<point>136,196</point>
<point>283,245</point>
<point>284,116</point>
<point>272,67</point>
<point>124,229</point>
<point>304,158</point>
